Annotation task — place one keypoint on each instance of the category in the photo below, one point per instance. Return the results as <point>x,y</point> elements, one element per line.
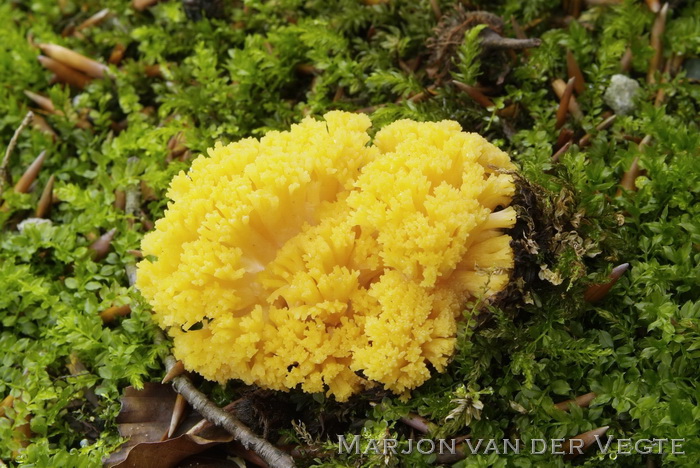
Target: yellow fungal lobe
<point>319,259</point>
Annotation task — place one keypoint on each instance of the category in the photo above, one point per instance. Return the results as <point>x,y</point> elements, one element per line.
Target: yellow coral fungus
<point>315,258</point>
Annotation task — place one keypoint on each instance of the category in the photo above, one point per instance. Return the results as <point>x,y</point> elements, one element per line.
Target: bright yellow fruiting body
<point>316,258</point>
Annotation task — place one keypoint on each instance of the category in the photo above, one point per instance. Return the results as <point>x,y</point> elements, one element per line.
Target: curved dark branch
<point>199,401</point>
<point>492,40</point>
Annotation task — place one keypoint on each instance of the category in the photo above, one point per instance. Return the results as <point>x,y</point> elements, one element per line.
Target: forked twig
<point>199,401</point>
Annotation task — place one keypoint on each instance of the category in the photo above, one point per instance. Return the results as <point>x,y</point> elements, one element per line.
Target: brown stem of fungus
<point>218,416</point>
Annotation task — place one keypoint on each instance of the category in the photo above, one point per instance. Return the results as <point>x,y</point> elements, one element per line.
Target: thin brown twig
<point>4,173</point>
<point>490,39</point>
<point>199,401</point>
<point>417,422</point>
<point>604,125</point>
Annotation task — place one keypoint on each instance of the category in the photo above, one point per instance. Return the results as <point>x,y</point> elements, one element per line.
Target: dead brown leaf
<point>145,418</point>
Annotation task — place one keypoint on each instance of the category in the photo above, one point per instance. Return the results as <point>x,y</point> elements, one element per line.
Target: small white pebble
<point>621,93</point>
<point>32,222</point>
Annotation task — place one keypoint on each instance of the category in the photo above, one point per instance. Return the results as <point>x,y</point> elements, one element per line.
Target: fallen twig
<point>604,125</point>
<point>490,39</point>
<point>416,422</point>
<point>199,401</point>
<point>4,173</point>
